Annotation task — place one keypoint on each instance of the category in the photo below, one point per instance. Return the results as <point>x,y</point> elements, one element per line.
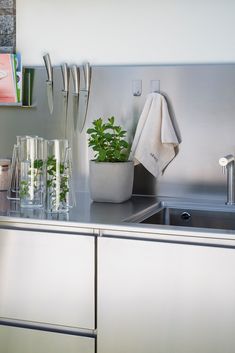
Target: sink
<point>186,217</point>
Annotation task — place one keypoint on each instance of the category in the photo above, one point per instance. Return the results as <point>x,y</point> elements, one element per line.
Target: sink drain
<point>185,216</point>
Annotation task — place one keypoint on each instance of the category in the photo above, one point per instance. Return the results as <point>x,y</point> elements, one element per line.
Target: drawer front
<point>17,340</point>
<point>165,298</point>
<point>47,277</point>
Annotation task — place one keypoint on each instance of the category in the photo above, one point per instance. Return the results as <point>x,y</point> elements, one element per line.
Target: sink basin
<point>186,217</point>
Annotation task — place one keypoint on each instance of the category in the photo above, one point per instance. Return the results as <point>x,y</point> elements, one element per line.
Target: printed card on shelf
<point>10,78</point>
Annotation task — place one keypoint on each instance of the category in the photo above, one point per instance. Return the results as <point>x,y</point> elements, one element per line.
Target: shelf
<point>10,104</point>
<point>17,105</point>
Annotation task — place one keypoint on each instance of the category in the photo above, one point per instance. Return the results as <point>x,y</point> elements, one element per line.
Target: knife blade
<point>49,82</point>
<point>84,96</point>
<point>76,82</point>
<point>65,93</point>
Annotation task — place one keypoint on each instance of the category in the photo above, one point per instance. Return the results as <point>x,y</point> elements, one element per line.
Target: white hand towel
<point>155,138</point>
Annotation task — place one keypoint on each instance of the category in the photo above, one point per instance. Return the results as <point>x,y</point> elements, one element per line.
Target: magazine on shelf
<point>10,78</point>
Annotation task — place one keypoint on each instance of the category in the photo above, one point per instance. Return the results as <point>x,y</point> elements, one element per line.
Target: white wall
<point>126,31</point>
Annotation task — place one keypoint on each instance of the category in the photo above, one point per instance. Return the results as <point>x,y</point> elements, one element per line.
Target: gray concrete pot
<point>111,182</point>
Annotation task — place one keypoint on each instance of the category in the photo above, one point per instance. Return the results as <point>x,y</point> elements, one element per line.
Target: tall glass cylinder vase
<point>59,175</point>
<point>32,172</point>
<point>14,187</point>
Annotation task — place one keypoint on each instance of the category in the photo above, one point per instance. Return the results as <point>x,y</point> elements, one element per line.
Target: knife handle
<point>87,75</point>
<point>65,76</point>
<point>76,78</point>
<point>48,65</point>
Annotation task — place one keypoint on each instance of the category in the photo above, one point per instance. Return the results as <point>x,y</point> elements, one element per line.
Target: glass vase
<point>14,187</point>
<point>58,176</point>
<point>32,172</point>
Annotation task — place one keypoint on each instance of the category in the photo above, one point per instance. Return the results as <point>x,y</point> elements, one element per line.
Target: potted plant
<point>111,173</point>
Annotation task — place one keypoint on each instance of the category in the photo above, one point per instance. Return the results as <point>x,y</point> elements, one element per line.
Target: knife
<point>65,93</point>
<point>84,96</point>
<point>49,82</point>
<point>76,81</point>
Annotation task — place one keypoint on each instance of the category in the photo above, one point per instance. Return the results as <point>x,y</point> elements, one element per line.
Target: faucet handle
<point>223,169</point>
<point>224,161</point>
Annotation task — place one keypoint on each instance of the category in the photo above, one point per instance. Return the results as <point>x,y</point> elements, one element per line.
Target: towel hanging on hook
<point>155,138</point>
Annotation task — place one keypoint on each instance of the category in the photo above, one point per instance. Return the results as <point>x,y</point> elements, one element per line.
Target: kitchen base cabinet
<point>47,277</point>
<point>158,297</point>
<point>18,340</point>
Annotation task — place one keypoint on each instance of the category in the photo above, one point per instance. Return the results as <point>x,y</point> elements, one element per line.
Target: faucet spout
<point>228,163</point>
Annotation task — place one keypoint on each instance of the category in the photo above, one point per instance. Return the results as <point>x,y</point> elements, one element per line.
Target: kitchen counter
<point>85,211</point>
<point>113,220</point>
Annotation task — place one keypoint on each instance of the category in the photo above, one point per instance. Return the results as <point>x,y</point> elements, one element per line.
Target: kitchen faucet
<point>228,162</point>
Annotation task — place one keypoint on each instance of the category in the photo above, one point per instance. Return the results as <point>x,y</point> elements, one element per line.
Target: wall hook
<point>137,88</point>
<point>155,86</point>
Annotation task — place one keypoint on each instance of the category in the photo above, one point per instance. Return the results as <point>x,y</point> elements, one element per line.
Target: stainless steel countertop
<point>114,220</point>
<point>85,210</point>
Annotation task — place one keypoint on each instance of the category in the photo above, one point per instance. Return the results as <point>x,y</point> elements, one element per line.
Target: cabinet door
<point>17,340</point>
<point>165,298</point>
<point>47,277</point>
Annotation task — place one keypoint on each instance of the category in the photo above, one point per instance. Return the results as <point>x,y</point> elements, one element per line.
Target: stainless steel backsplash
<point>202,102</point>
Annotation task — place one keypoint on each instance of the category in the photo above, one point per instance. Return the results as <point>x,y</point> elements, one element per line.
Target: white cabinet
<point>159,297</point>
<point>18,340</point>
<point>47,277</point>
<point>47,290</point>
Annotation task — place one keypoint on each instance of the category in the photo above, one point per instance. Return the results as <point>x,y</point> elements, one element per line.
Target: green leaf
<point>111,120</point>
<point>90,131</point>
<point>117,155</point>
<point>38,164</point>
<point>124,143</point>
<point>122,133</point>
<point>102,155</point>
<point>108,136</point>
